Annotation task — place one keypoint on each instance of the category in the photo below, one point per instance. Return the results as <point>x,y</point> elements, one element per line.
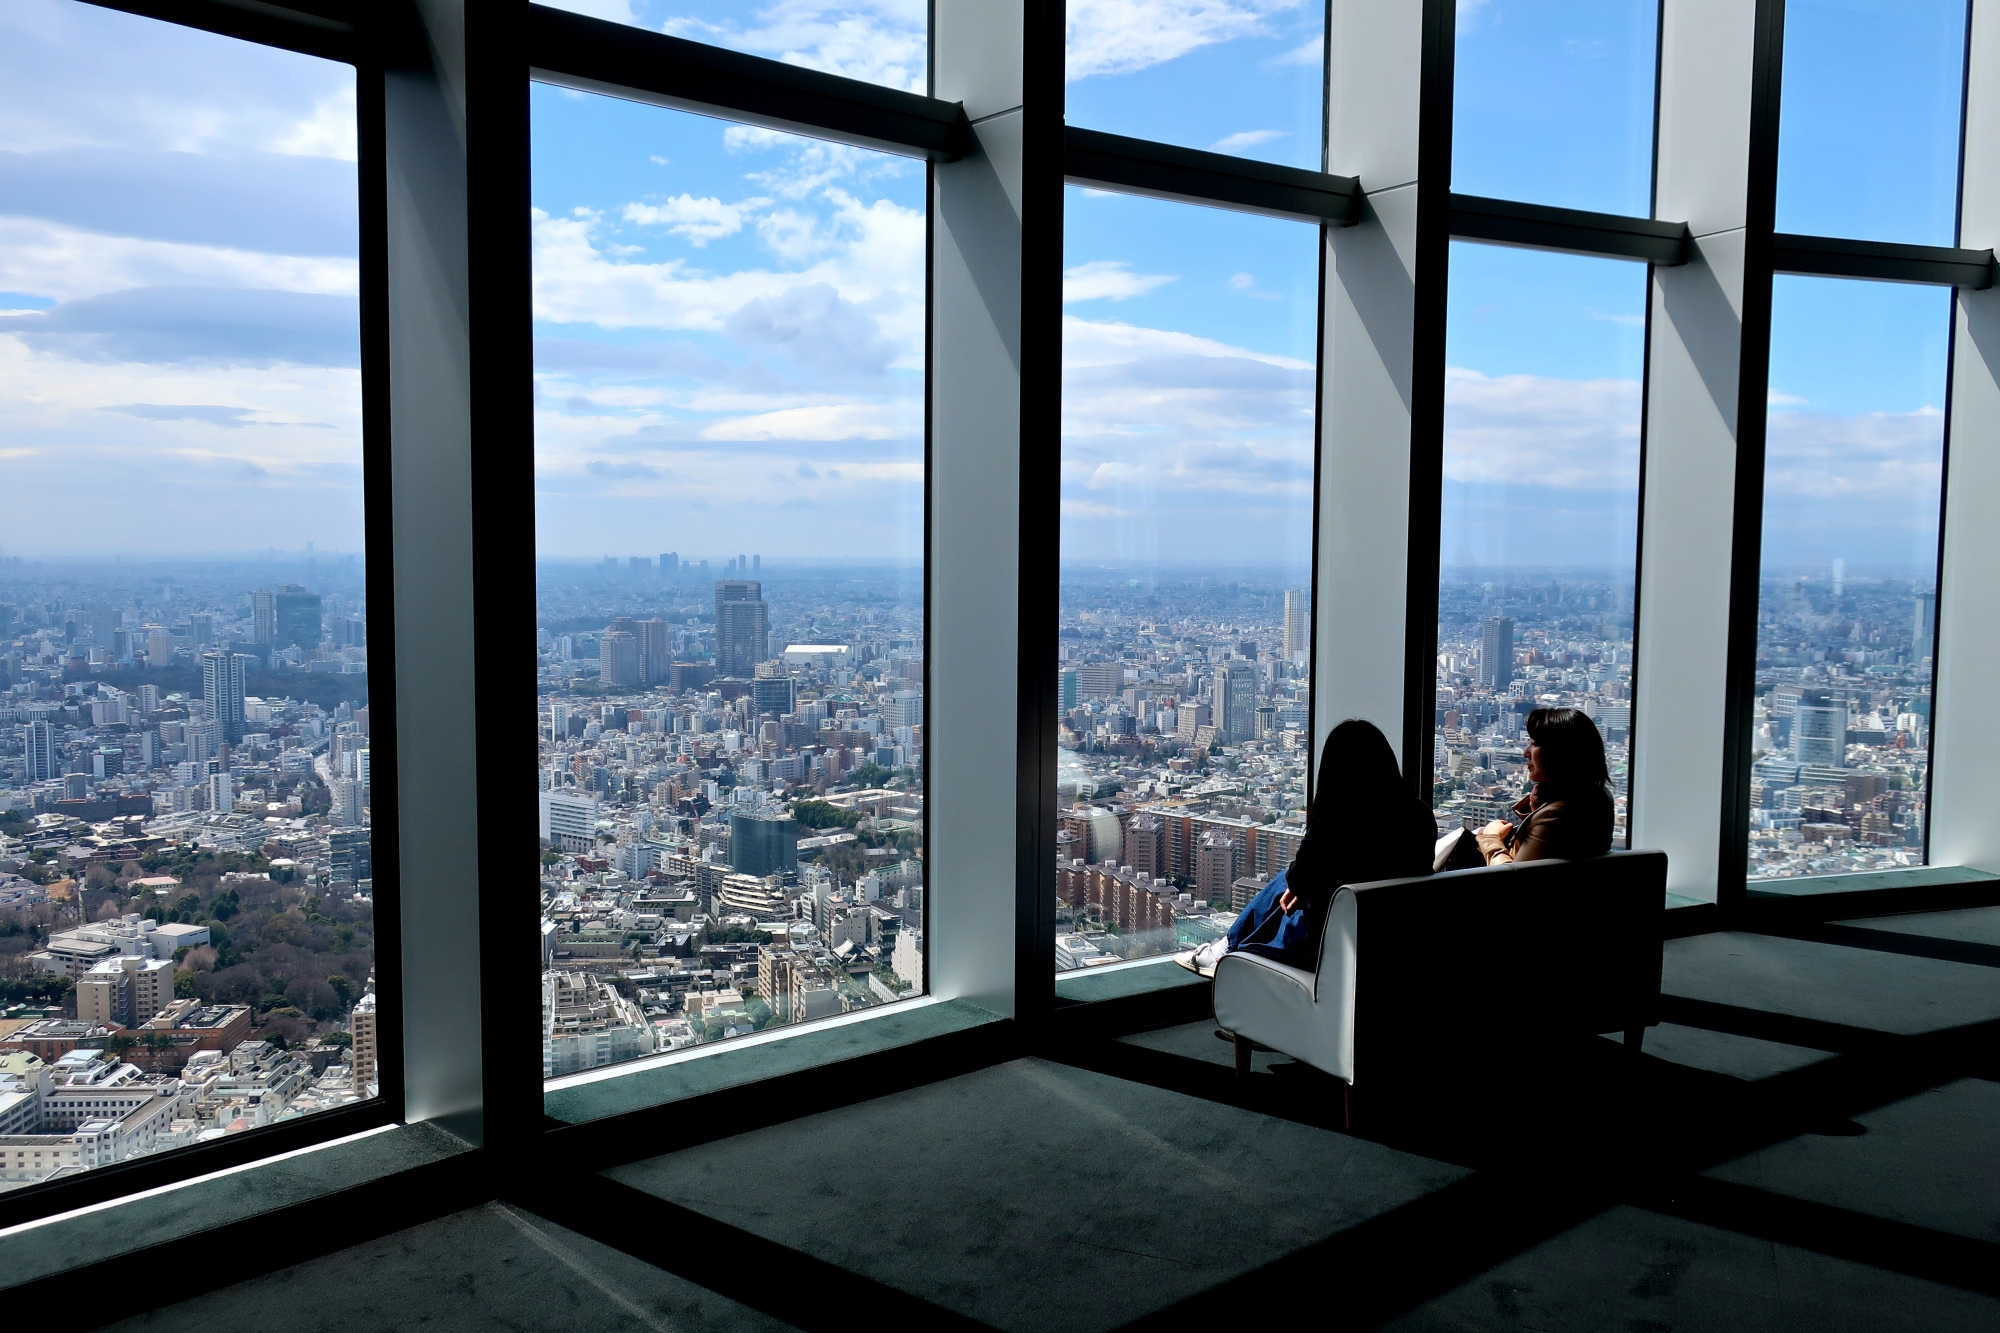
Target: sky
<point>729,321</point>
<point>178,290</point>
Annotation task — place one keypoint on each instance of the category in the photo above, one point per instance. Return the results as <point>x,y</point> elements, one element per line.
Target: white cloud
<point>1119,36</point>
<point>1309,53</point>
<point>1536,430</point>
<point>1087,343</point>
<point>1236,143</point>
<point>825,421</point>
<point>65,263</point>
<point>699,221</point>
<point>330,131</point>
<point>1109,280</point>
<point>1889,459</point>
<point>1468,14</point>
<point>877,41</point>
<point>1242,282</point>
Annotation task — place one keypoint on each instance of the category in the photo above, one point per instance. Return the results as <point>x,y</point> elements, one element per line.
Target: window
<point>186,881</point>
<point>1185,604</point>
<point>1553,103</point>
<point>730,604</point>
<point>1847,605</point>
<point>1875,82</point>
<point>1544,359</point>
<point>1243,77</point>
<point>876,41</point>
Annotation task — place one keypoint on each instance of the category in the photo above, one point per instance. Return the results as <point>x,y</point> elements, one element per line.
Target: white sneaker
<point>1203,960</point>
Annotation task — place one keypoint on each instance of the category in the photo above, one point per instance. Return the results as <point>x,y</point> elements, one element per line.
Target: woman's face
<point>1534,754</point>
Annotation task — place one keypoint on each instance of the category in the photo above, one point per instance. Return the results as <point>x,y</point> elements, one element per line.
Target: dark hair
<point>1572,754</point>
<point>1356,766</point>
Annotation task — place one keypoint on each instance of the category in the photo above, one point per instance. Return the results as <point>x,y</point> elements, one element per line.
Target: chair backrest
<point>1571,946</point>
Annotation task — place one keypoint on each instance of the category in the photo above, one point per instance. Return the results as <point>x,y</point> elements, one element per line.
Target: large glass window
<point>1553,102</point>
<point>1185,653</point>
<point>1244,77</point>
<point>1544,359</point>
<point>878,41</point>
<point>730,617</point>
<point>186,886</point>
<point>1868,137</point>
<point>1846,615</point>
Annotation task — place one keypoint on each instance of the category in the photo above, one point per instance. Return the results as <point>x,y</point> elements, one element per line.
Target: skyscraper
<point>1298,623</point>
<point>617,658</point>
<point>263,616</point>
<point>1496,653</point>
<point>763,843</point>
<point>296,612</point>
<point>1921,631</point>
<point>742,627</point>
<point>44,760</point>
<point>1236,700</point>
<point>222,689</point>
<point>1819,730</point>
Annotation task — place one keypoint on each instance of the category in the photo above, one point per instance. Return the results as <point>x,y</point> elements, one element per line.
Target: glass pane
<point>1187,465</point>
<point>1847,602</point>
<point>730,618</point>
<point>186,892</point>
<point>879,41</point>
<point>1868,137</point>
<point>1244,77</point>
<point>1554,102</point>
<point>1544,358</point>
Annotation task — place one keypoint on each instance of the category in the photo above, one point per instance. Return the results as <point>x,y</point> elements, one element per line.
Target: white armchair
<point>1536,946</point>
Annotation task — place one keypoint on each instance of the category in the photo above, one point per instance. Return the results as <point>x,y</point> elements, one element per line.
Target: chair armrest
<point>1273,1005</point>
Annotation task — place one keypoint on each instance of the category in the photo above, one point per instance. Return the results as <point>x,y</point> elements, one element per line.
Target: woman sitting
<point>1372,828</point>
<point>1568,811</point>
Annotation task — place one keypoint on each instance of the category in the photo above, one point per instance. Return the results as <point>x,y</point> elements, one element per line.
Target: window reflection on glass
<point>1184,662</point>
<point>1868,134</point>
<point>1244,77</point>
<point>1553,102</point>
<point>876,41</point>
<point>186,884</point>
<point>1847,606</point>
<point>729,538</point>
<point>1544,359</point>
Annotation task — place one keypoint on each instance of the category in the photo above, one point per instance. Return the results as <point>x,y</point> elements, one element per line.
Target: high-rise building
<point>221,792</point>
<point>617,658</point>
<point>558,721</point>
<point>361,1027</point>
<point>1298,624</point>
<point>763,843</point>
<point>777,695</point>
<point>1099,680</point>
<point>222,676</point>
<point>1066,690</point>
<point>742,627</point>
<point>1496,653</point>
<point>44,758</point>
<point>263,616</point>
<point>1922,631</point>
<point>349,856</point>
<point>905,708</point>
<point>656,650</point>
<point>670,565</point>
<point>569,820</point>
<point>347,800</point>
<point>295,616</point>
<point>1235,694</point>
<point>1819,730</point>
<point>201,631</point>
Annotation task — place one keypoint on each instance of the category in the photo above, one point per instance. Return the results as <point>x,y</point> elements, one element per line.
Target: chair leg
<point>1243,1050</point>
<point>1634,1038</point>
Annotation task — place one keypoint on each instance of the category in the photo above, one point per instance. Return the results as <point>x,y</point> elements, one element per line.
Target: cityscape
<point>186,882</point>
<point>731,788</point>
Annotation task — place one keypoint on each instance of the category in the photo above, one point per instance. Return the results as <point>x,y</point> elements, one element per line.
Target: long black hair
<point>1357,770</point>
<point>1573,765</point>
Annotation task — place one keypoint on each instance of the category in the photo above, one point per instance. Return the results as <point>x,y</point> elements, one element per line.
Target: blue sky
<point>731,324</point>
<point>178,280</point>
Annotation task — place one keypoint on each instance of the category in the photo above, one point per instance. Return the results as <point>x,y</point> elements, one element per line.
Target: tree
<point>870,775</point>
<point>184,985</point>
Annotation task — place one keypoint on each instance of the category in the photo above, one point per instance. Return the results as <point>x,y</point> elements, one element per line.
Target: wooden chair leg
<point>1243,1050</point>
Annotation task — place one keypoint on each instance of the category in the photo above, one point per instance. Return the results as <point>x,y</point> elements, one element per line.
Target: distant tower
<point>222,690</point>
<point>742,627</point>
<point>44,759</point>
<point>1496,653</point>
<point>295,615</point>
<point>1922,632</point>
<point>617,658</point>
<point>1298,624</point>
<point>1819,730</point>
<point>263,616</point>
